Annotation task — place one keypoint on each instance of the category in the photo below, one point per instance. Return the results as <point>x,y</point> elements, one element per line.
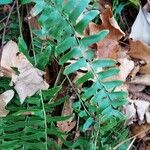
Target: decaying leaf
<point>33,21</point>
<point>137,110</point>
<point>130,112</point>
<point>134,88</point>
<point>140,131</point>
<point>67,125</point>
<point>140,95</point>
<point>126,66</point>
<point>142,22</point>
<point>4,100</point>
<point>142,79</point>
<point>108,47</point>
<point>29,80</point>
<point>140,50</point>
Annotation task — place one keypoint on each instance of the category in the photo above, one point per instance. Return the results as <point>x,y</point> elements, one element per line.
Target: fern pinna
<point>98,106</point>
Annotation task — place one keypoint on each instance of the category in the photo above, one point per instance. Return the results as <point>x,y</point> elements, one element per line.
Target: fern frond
<point>31,126</point>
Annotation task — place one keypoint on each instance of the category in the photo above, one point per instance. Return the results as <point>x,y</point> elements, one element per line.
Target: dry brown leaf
<point>142,79</point>
<point>108,47</point>
<point>140,131</point>
<point>67,125</point>
<point>103,3</point>
<point>29,80</point>
<point>140,50</point>
<point>4,100</point>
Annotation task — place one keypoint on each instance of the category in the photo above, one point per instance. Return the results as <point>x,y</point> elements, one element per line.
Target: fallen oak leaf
<point>140,50</point>
<point>125,67</point>
<point>4,100</point>
<point>108,22</point>
<point>108,47</point>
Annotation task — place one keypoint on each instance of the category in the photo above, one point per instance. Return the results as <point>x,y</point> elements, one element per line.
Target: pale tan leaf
<point>126,66</point>
<point>142,22</point>
<point>136,110</point>
<point>142,108</point>
<point>4,100</point>
<point>147,115</point>
<point>130,112</point>
<point>9,55</point>
<point>142,79</point>
<point>30,79</point>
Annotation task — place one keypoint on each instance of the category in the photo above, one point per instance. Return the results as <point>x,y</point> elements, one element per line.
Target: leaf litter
<point>134,64</point>
<point>29,80</point>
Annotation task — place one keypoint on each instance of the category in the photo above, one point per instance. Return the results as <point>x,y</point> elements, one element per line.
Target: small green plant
<point>97,107</point>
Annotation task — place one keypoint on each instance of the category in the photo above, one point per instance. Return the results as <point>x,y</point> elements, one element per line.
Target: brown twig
<point>4,31</point>
<point>117,146</point>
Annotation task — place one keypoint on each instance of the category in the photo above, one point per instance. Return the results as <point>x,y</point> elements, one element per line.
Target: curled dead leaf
<point>142,79</point>
<point>137,110</point>
<point>9,57</point>
<point>126,66</point>
<point>30,79</point>
<point>141,51</point>
<point>4,100</point>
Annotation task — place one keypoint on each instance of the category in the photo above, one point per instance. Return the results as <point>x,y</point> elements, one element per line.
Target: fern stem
<point>45,120</point>
<point>19,18</point>
<point>78,96</point>
<point>88,62</point>
<point>59,76</point>
<point>4,31</point>
<point>32,43</point>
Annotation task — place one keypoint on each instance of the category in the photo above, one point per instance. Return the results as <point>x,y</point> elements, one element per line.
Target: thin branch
<point>19,18</point>
<point>4,31</point>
